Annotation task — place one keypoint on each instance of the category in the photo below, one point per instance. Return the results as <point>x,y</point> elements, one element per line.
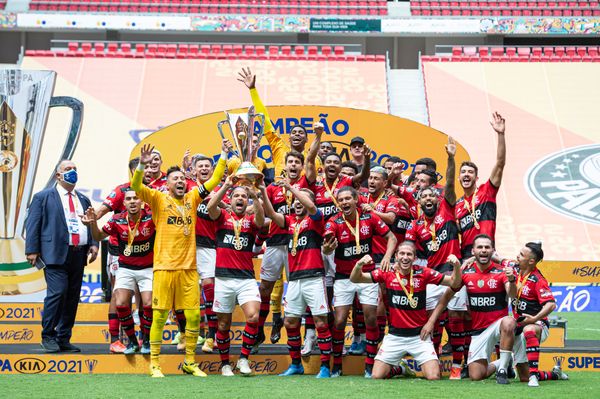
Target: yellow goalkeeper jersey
<point>278,147</point>
<point>175,221</point>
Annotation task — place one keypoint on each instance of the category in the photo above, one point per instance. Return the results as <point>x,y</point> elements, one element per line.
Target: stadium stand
<point>518,54</point>
<point>203,51</point>
<point>505,8</point>
<point>292,7</point>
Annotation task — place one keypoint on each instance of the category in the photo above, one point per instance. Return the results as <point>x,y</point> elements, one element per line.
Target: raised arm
<point>392,243</point>
<point>455,279</point>
<point>259,213</point>
<point>212,208</point>
<point>90,219</point>
<point>499,126</point>
<point>366,169</point>
<point>449,191</point>
<point>511,287</point>
<point>358,276</point>
<point>313,150</point>
<point>217,175</point>
<point>304,198</point>
<point>276,217</point>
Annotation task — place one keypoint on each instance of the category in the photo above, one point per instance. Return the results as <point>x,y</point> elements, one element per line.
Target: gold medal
<point>355,231</point>
<point>520,285</point>
<point>237,229</point>
<point>131,234</point>
<point>331,191</point>
<point>471,209</point>
<point>297,227</point>
<point>186,230</point>
<point>434,246</point>
<point>412,301</point>
<point>376,202</point>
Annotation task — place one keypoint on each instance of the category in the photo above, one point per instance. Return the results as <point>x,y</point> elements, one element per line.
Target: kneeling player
<point>406,286</point>
<point>532,305</point>
<point>234,270</point>
<point>134,232</point>
<point>306,275</point>
<point>488,286</point>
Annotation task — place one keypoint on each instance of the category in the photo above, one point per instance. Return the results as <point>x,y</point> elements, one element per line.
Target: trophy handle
<point>75,130</point>
<point>220,127</point>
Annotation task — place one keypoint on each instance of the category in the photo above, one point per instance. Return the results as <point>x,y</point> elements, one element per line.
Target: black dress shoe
<point>68,347</point>
<point>50,345</point>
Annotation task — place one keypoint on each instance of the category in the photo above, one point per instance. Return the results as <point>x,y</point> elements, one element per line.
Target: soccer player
<point>406,296</point>
<point>476,214</point>
<point>306,286</point>
<point>350,234</point>
<point>134,232</point>
<point>348,168</point>
<point>488,286</point>
<point>114,203</point>
<point>175,276</point>
<point>325,148</point>
<point>435,234</point>
<point>276,253</point>
<point>531,306</point>
<point>234,271</point>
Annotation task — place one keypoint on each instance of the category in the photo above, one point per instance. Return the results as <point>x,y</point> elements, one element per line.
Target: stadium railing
<point>293,7</point>
<point>515,54</point>
<point>505,8</point>
<point>205,51</point>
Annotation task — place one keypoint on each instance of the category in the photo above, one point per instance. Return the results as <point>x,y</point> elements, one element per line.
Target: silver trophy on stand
<point>246,131</point>
<point>25,100</point>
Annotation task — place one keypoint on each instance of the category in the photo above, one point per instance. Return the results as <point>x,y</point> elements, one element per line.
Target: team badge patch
<point>568,182</point>
<point>480,283</point>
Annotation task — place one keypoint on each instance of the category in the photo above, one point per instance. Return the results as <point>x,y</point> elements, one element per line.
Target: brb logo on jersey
<point>568,182</point>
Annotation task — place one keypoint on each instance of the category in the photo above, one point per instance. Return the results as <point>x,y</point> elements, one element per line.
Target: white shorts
<point>483,345</point>
<point>273,261</point>
<point>129,278</point>
<point>304,292</point>
<point>112,264</point>
<point>520,351</point>
<point>228,291</point>
<point>344,290</point>
<point>435,293</point>
<point>394,348</point>
<point>206,259</point>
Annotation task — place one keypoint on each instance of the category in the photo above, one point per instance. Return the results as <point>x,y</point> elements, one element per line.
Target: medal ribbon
<point>408,294</point>
<point>471,208</point>
<point>431,228</point>
<point>132,233</point>
<point>237,228</point>
<point>377,200</point>
<point>521,284</point>
<point>332,190</point>
<point>182,211</point>
<point>295,236</point>
<point>355,231</point>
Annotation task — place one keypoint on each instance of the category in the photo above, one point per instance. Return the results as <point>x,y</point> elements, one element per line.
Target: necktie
<point>74,236</point>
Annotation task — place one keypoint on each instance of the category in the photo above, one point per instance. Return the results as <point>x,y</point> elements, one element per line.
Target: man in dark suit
<point>56,235</point>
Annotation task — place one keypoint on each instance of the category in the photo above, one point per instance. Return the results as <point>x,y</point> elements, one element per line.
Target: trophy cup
<point>25,99</point>
<point>243,127</point>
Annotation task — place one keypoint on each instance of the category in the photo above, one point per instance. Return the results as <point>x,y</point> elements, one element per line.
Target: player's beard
<point>430,212</point>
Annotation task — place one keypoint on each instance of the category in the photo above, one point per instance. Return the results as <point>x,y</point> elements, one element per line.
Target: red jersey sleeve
<point>114,200</point>
<point>393,206</point>
<point>110,228</point>
<point>330,228</point>
<point>379,227</point>
<point>433,276</point>
<point>490,190</point>
<point>543,291</point>
<point>378,276</point>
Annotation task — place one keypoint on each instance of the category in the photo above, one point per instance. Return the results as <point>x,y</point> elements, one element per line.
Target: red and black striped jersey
<point>282,200</point>
<point>404,320</point>
<point>324,200</point>
<point>408,195</point>
<point>446,237</point>
<point>205,226</point>
<point>483,200</point>
<point>487,295</point>
<point>384,204</point>
<point>347,253</point>
<point>232,262</point>
<point>307,261</point>
<point>142,249</point>
<point>533,292</point>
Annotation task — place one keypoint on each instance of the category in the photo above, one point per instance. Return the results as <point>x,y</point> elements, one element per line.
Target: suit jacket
<point>46,230</point>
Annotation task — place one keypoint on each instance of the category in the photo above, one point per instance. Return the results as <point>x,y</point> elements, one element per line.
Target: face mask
<point>70,176</point>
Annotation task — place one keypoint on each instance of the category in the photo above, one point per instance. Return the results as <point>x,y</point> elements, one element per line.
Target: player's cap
<point>357,139</point>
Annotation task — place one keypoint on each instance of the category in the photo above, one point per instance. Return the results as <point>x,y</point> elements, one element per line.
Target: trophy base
<point>17,276</point>
<point>248,174</point>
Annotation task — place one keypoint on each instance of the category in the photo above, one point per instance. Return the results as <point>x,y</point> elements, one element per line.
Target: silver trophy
<point>25,99</point>
<point>246,131</point>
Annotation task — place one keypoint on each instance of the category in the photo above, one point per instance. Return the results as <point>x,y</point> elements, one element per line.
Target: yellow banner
<point>571,271</point>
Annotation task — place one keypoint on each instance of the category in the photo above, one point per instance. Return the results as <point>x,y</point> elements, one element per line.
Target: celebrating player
<point>234,271</point>
<point>531,306</point>
<point>306,285</point>
<point>350,234</point>
<point>175,276</point>
<point>134,233</point>
<point>406,296</point>
<point>488,285</point>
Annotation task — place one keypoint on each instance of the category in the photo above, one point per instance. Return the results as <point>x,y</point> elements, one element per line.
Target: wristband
<point>141,167</point>
<point>223,155</point>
